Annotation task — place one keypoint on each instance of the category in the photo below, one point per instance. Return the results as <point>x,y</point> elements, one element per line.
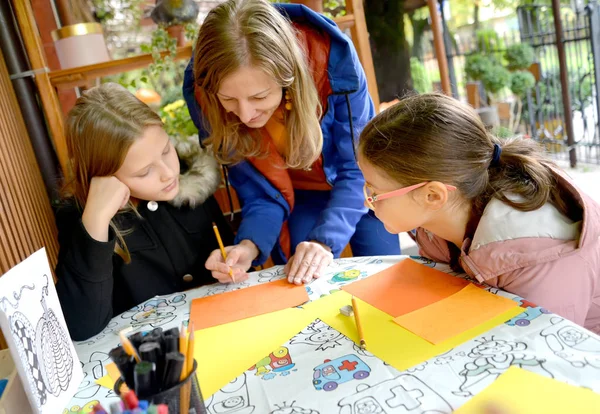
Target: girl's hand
<point>239,260</point>
<point>308,263</point>
<point>106,196</point>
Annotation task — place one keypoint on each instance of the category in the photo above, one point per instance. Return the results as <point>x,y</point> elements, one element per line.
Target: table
<point>535,340</point>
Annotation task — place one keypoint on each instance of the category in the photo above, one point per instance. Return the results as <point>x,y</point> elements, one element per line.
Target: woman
<point>281,95</point>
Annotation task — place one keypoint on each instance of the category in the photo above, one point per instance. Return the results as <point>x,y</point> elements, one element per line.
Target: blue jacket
<point>264,209</point>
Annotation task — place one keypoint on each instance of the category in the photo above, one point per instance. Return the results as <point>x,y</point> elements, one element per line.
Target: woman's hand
<point>308,263</point>
<point>239,260</point>
<point>106,196</point>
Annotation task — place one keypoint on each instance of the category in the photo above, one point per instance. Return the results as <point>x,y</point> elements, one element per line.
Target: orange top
<point>310,179</point>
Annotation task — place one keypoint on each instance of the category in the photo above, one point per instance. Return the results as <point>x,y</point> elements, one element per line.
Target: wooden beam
<point>49,99</point>
<point>80,76</point>
<point>438,41</point>
<point>360,38</point>
<point>70,78</point>
<point>316,5</point>
<point>345,22</point>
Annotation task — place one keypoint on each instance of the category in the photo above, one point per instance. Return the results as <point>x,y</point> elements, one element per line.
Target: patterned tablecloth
<point>535,340</point>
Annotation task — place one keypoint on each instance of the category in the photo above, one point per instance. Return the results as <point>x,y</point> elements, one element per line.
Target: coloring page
<point>34,326</point>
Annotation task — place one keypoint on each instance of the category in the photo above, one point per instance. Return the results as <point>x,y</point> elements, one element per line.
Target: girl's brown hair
<point>433,137</point>
<point>100,129</point>
<point>242,33</point>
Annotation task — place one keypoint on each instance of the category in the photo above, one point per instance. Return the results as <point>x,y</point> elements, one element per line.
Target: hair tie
<point>496,155</point>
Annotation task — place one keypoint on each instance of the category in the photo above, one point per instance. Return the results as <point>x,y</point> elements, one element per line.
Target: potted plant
<point>171,15</point>
<point>475,66</point>
<point>519,59</point>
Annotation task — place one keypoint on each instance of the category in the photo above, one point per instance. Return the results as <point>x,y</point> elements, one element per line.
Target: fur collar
<point>200,175</point>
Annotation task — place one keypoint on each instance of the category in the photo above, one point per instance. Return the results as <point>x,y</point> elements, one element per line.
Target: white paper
<point>34,326</point>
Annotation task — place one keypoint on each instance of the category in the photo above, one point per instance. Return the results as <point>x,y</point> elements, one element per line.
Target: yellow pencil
<point>183,346</point>
<point>186,390</point>
<point>128,347</point>
<point>190,351</point>
<point>216,229</point>
<point>361,336</point>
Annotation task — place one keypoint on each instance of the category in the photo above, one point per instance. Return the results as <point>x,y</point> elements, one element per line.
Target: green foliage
<point>488,40</point>
<point>177,121</point>
<point>163,49</point>
<point>421,81</point>
<point>520,82</point>
<point>495,78</point>
<point>503,132</point>
<point>476,65</point>
<point>519,56</point>
<point>106,10</point>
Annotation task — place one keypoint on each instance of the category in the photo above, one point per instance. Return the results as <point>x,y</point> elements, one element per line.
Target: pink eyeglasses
<point>396,193</point>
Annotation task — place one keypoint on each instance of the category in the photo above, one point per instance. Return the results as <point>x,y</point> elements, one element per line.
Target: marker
<point>173,367</point>
<point>144,379</point>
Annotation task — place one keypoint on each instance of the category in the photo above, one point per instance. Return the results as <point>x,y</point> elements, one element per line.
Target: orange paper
<point>245,303</point>
<point>405,287</point>
<point>113,371</point>
<point>460,312</point>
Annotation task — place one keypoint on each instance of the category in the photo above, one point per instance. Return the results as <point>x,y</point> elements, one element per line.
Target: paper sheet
<point>449,317</point>
<point>34,327</point>
<point>405,287</point>
<point>106,382</point>
<point>518,391</point>
<point>226,351</point>
<point>386,339</point>
<point>240,304</point>
<point>111,377</point>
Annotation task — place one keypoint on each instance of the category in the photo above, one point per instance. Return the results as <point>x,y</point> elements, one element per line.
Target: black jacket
<point>168,250</point>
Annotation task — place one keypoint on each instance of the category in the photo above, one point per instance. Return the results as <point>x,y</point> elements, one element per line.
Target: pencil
<point>216,229</point>
<point>186,390</point>
<point>183,346</point>
<point>128,347</point>
<point>361,336</point>
<point>190,351</point>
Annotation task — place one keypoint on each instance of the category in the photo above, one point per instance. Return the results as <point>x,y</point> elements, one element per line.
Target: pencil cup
<point>172,396</point>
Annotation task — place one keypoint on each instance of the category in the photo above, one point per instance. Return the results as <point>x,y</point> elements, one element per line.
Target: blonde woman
<point>137,220</point>
<point>280,94</point>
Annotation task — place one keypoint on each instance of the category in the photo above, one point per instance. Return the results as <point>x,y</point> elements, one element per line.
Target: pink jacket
<point>540,255</point>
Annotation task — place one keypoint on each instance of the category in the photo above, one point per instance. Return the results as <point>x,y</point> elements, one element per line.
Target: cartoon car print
<point>405,393</point>
<point>231,399</point>
<point>531,312</point>
<point>332,373</point>
<point>573,344</point>
<point>277,361</point>
<point>346,276</point>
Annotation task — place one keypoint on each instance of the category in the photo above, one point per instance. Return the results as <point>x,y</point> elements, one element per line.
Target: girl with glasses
<point>498,210</point>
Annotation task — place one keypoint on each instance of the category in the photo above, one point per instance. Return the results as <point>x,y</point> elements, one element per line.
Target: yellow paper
<point>113,375</point>
<point>457,313</point>
<point>224,352</point>
<point>387,340</point>
<point>106,381</point>
<point>518,391</point>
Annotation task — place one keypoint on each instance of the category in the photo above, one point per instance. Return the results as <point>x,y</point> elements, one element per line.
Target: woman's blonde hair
<point>100,129</point>
<point>241,33</point>
<point>433,137</point>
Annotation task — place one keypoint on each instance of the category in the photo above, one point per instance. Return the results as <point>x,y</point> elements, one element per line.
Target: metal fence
<point>543,117</point>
